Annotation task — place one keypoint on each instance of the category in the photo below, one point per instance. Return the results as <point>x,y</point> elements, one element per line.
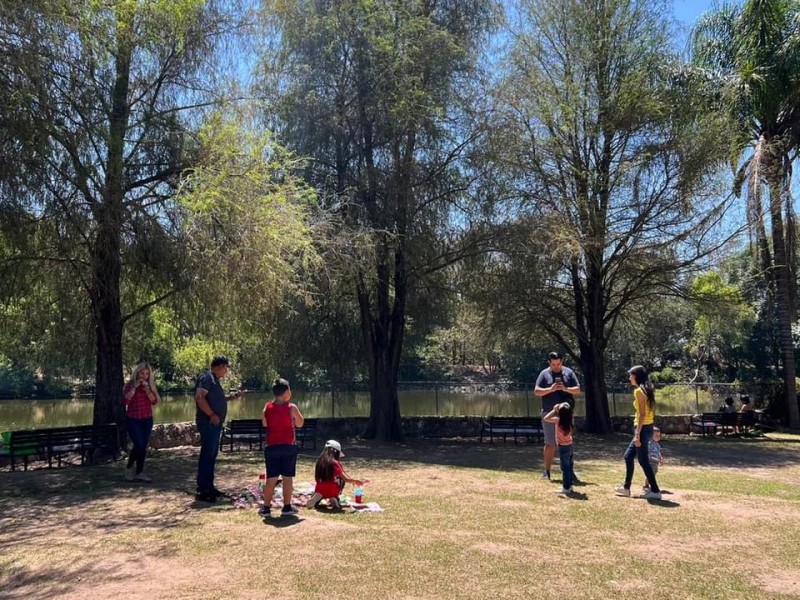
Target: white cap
<point>335,445</point>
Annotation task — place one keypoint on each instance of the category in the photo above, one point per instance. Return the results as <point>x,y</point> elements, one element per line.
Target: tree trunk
<point>383,332</point>
<point>107,258</point>
<point>598,417</point>
<point>783,302</point>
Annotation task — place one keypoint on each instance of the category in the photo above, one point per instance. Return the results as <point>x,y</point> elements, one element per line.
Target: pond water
<point>31,414</point>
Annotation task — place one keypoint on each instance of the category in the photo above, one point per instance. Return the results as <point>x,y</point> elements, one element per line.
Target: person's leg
<point>630,458</point>
<point>644,458</point>
<point>145,429</point>
<point>273,471</point>
<point>549,430</point>
<point>269,491</point>
<point>132,427</point>
<point>209,446</point>
<point>564,456</point>
<point>289,470</point>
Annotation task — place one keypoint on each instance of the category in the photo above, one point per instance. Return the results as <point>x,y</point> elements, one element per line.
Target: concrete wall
<point>170,435</point>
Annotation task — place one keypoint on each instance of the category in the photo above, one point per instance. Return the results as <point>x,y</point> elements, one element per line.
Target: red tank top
<point>280,427</point>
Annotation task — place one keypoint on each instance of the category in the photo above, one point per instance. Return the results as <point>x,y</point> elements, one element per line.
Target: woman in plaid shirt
<point>140,395</point>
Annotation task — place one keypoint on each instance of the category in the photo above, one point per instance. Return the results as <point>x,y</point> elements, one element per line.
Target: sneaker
<point>623,491</point>
<point>218,493</point>
<point>264,512</point>
<point>202,497</point>
<point>129,474</point>
<point>142,477</point>
<point>651,495</point>
<point>314,500</point>
<point>546,475</point>
<point>334,503</point>
<point>564,491</point>
<point>289,510</point>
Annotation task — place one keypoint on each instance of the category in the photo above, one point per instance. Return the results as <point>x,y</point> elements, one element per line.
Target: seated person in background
<point>746,406</point>
<point>728,407</point>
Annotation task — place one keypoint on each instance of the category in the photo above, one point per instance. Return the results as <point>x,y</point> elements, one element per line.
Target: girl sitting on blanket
<point>330,476</point>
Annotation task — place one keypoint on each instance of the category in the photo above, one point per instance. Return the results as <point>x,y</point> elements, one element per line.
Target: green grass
<point>462,520</point>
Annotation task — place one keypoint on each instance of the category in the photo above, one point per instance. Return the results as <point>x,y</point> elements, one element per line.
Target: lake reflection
<point>25,414</point>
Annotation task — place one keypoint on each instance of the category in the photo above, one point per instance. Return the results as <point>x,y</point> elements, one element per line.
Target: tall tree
<point>129,192</point>
<point>750,55</point>
<point>378,94</point>
<point>611,165</point>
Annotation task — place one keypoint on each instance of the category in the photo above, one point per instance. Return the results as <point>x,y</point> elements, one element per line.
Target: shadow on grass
<point>282,522</point>
<point>46,583</point>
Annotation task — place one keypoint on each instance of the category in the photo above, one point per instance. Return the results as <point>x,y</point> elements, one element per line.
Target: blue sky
<point>687,11</point>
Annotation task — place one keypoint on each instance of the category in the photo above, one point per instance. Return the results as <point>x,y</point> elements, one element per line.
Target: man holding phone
<point>554,385</point>
<point>212,407</point>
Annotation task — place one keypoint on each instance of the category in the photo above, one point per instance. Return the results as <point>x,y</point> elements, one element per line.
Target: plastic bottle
<point>359,495</point>
<point>262,482</point>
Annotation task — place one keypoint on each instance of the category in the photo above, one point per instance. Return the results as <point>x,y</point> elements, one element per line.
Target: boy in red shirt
<point>280,418</point>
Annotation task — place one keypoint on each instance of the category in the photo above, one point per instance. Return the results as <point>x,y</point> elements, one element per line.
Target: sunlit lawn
<point>462,520</point>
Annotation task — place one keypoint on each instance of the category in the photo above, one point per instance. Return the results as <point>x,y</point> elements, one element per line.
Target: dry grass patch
<point>461,518</point>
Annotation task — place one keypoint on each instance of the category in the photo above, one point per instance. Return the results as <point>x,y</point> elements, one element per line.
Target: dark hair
<point>745,399</point>
<point>554,356</point>
<point>729,401</point>
<point>279,387</point>
<point>565,418</point>
<point>643,381</point>
<point>323,470</point>
<point>219,361</point>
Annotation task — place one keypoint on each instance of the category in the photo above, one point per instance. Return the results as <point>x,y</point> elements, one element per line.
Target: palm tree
<point>751,53</point>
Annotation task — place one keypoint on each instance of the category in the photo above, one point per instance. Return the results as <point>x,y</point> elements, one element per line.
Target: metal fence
<point>446,398</point>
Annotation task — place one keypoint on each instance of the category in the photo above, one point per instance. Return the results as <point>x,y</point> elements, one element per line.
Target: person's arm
<point>640,411</point>
<point>538,390</point>
<point>348,479</point>
<point>552,416</point>
<point>264,417</point>
<point>297,417</point>
<point>575,388</point>
<point>204,406</point>
<point>128,391</point>
<point>152,393</point>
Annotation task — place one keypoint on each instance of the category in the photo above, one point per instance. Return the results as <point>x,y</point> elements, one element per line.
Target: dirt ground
<point>83,532</point>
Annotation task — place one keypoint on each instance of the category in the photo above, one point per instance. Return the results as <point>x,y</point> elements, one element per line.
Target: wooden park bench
<point>252,432</point>
<point>243,431</point>
<point>527,427</point>
<point>307,433</point>
<point>54,443</point>
<point>714,422</point>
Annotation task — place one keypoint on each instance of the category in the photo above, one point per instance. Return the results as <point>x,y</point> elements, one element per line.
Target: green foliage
<point>195,354</point>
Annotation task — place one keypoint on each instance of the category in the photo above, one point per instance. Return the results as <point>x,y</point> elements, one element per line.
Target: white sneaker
<point>314,500</point>
<point>129,474</point>
<point>651,495</point>
<point>564,491</point>
<point>623,491</point>
<point>142,477</point>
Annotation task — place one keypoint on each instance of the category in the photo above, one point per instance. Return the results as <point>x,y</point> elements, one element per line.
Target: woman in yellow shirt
<point>644,404</point>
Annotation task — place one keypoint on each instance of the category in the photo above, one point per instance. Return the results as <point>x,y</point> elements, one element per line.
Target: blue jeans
<point>209,448</point>
<point>139,431</point>
<point>641,454</point>
<point>565,457</point>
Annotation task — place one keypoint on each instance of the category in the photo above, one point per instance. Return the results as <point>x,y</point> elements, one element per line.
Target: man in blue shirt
<point>554,385</point>
<point>212,407</point>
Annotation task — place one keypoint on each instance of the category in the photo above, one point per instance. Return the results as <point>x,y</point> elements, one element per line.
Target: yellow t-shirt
<point>649,412</point>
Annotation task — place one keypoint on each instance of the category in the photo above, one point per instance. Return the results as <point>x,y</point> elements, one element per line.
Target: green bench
<point>53,443</point>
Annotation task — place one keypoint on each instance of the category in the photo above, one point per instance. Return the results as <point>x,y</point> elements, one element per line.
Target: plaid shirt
<point>139,406</point>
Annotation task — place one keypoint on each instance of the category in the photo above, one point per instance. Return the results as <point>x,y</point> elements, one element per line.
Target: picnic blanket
<point>252,497</point>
